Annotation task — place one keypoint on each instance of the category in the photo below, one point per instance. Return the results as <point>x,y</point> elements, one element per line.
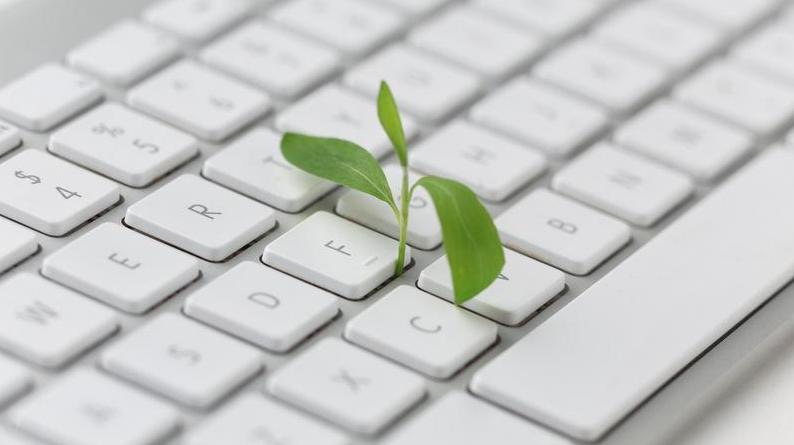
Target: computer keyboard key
<point>334,112</point>
<point>555,18</point>
<point>770,49</point>
<point>14,379</point>
<point>124,53</point>
<point>196,20</point>
<point>348,386</point>
<point>263,306</point>
<point>522,288</point>
<point>86,407</point>
<point>602,74</point>
<point>200,217</point>
<point>121,267</point>
<point>442,423</point>
<point>199,100</point>
<point>740,96</point>
<point>254,166</point>
<point>477,41</point>
<point>47,324</point>
<point>657,311</point>
<point>424,230</point>
<point>352,26</point>
<point>47,96</point>
<point>281,62</point>
<point>493,166</point>
<point>16,244</point>
<point>427,87</point>
<point>10,138</point>
<point>623,184</point>
<point>650,31</point>
<point>51,195</point>
<point>10,437</point>
<point>335,254</point>
<point>123,144</point>
<point>541,116</point>
<point>183,360</point>
<point>685,139</point>
<point>421,332</point>
<point>730,14</point>
<point>253,419</point>
<point>561,232</point>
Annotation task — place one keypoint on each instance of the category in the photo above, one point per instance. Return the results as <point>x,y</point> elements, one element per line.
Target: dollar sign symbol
<point>32,178</point>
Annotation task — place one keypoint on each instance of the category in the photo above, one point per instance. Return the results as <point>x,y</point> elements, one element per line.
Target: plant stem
<point>405,200</point>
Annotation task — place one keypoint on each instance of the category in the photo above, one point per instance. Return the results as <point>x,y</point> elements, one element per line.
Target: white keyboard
<point>166,277</point>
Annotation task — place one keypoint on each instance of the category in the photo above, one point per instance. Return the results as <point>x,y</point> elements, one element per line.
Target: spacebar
<point>598,358</point>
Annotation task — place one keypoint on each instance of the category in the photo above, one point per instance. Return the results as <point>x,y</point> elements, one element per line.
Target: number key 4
<point>51,195</point>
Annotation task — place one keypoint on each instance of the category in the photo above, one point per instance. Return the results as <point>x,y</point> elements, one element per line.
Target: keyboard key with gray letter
<point>47,96</point>
<point>50,194</point>
<point>200,217</point>
<point>623,184</point>
<point>124,53</point>
<point>492,165</point>
<point>254,166</point>
<point>47,324</point>
<point>421,332</point>
<point>86,407</point>
<point>561,232</point>
<point>283,63</point>
<point>739,95</point>
<point>685,139</point>
<point>540,116</point>
<point>263,306</point>
<point>521,289</point>
<point>121,267</point>
<point>347,386</point>
<point>199,100</point>
<point>335,254</point>
<point>183,360</point>
<point>428,87</point>
<point>143,149</point>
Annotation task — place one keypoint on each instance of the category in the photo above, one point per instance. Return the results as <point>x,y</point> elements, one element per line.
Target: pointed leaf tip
<point>389,116</point>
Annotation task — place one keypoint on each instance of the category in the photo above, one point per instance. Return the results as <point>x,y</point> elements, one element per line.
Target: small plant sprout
<point>472,245</point>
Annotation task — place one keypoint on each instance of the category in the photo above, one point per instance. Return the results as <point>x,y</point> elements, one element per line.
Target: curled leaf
<point>474,251</point>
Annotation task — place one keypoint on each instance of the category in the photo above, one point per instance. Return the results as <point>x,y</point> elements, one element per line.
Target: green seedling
<point>471,241</point>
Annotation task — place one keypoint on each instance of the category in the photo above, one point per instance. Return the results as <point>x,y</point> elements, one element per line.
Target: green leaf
<point>339,161</point>
<point>389,116</point>
<point>471,240</point>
